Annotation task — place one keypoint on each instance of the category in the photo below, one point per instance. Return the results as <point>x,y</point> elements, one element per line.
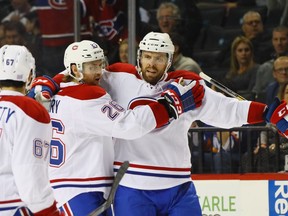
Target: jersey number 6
<point>57,147</point>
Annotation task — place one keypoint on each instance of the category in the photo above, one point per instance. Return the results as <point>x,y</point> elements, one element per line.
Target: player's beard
<point>151,75</point>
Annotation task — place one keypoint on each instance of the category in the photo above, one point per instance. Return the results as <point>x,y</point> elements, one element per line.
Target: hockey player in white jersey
<point>25,134</point>
<point>158,180</point>
<point>84,120</point>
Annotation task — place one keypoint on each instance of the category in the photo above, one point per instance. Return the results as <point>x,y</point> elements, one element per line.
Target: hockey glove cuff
<point>277,114</point>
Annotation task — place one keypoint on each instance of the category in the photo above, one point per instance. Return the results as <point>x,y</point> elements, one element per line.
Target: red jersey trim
<point>10,201</point>
<point>83,92</point>
<point>255,113</point>
<point>82,179</point>
<point>155,167</point>
<point>30,107</point>
<point>159,110</point>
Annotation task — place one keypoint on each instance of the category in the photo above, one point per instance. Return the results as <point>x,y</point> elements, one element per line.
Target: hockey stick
<point>121,172</point>
<point>220,86</point>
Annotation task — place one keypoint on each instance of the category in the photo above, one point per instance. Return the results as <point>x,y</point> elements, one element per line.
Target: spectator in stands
<point>110,24</point>
<point>107,18</point>
<point>253,29</point>
<point>256,159</point>
<point>189,25</point>
<point>242,73</point>
<point>252,24</point>
<point>220,150</point>
<point>227,157</point>
<point>279,5</point>
<point>122,54</point>
<point>20,9</point>
<point>181,62</point>
<point>123,51</point>
<point>14,33</point>
<point>182,17</point>
<point>57,30</point>
<point>280,73</point>
<point>168,17</point>
<point>265,71</point>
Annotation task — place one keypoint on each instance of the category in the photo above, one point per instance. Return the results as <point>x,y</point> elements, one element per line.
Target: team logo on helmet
<point>75,47</point>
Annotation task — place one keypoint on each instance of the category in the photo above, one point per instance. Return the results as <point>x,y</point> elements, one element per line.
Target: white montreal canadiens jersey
<point>84,120</point>
<point>161,158</point>
<point>25,134</point>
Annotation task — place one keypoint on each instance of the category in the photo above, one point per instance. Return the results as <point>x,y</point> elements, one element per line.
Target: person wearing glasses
<point>182,17</point>
<point>280,74</point>
<point>252,24</point>
<point>265,72</point>
<point>253,28</point>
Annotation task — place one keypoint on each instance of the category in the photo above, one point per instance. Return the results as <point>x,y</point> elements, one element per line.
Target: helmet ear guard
<point>80,52</point>
<point>156,42</point>
<point>16,63</point>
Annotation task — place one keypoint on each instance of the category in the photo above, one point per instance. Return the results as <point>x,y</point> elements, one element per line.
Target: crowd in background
<point>240,43</point>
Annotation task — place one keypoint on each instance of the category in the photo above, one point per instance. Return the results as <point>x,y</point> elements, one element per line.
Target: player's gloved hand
<point>42,89</point>
<point>277,114</point>
<point>178,98</point>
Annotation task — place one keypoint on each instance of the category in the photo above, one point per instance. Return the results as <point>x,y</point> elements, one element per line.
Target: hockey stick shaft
<point>220,86</point>
<point>121,172</point>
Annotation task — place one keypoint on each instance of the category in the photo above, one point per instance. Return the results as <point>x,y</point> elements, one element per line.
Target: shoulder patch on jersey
<point>29,106</point>
<point>122,67</point>
<point>83,92</point>
<point>183,73</point>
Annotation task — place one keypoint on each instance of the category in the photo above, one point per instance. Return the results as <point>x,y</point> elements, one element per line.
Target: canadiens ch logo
<point>75,47</point>
<point>58,4</point>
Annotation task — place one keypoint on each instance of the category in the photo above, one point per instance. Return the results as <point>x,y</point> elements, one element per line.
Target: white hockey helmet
<point>81,52</point>
<point>156,42</point>
<point>16,63</point>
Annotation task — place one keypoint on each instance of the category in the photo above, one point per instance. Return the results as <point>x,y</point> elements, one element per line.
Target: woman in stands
<point>242,73</point>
